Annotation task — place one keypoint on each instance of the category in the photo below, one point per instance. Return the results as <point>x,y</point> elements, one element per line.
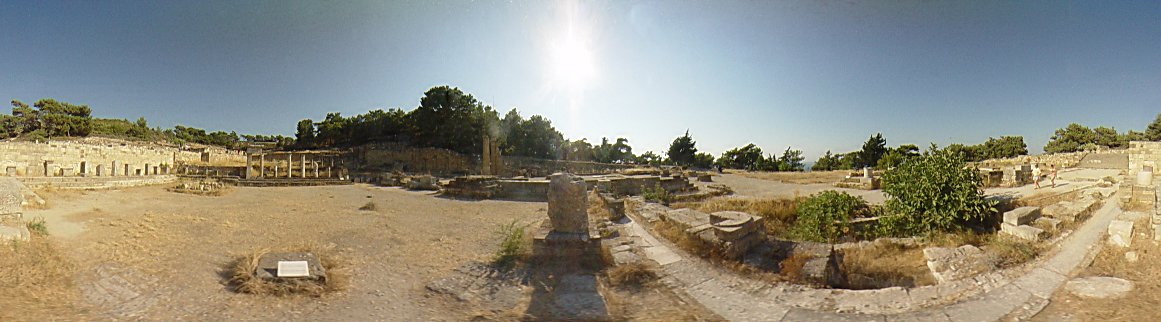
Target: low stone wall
<point>537,189</point>
<point>447,163</point>
<point>88,183</point>
<point>101,157</point>
<point>1143,155</point>
<point>1060,160</point>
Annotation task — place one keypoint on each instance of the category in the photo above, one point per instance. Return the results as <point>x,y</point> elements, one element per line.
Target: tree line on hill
<point>449,118</point>
<point>48,118</point>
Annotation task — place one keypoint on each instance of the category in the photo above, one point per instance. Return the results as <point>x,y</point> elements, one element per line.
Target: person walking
<point>1052,170</point>
<point>1036,175</point>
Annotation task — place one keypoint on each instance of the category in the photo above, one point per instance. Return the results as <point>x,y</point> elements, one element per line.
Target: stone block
<point>1021,216</point>
<point>20,233</point>
<point>686,218</point>
<point>951,264</point>
<point>11,197</point>
<point>1051,223</point>
<point>1121,233</point>
<point>1022,231</point>
<point>568,204</point>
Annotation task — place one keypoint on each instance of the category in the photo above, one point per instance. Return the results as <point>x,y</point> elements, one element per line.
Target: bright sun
<point>572,62</point>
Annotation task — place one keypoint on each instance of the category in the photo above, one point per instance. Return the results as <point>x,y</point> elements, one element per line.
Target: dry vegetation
<point>244,280</point>
<point>38,279</point>
<point>779,213</point>
<point>635,274</point>
<point>813,177</point>
<point>887,264</point>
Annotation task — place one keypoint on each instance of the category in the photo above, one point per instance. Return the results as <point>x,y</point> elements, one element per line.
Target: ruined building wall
<point>1144,154</point>
<point>1060,160</point>
<point>94,157</point>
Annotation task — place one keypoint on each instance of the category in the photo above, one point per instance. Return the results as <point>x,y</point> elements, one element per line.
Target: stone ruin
<point>566,234</point>
<point>865,180</point>
<point>732,233</point>
<point>12,211</point>
<point>478,187</point>
<point>200,187</point>
<point>1017,222</point>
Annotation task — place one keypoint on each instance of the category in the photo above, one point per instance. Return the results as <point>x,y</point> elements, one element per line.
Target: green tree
<point>873,149</point>
<point>682,150</point>
<point>934,192</point>
<point>576,150</point>
<point>305,135</point>
<point>1153,132</point>
<point>451,119</point>
<point>1070,139</point>
<point>64,119</point>
<point>649,158</point>
<point>826,162</point>
<point>747,157</point>
<point>703,160</point>
<point>791,160</point>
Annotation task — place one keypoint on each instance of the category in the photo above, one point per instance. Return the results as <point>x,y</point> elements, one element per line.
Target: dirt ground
<point>1139,305</point>
<point>146,253</point>
<point>827,177</point>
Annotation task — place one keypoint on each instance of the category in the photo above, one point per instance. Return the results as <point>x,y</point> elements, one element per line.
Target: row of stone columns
<point>305,167</point>
<point>49,169</point>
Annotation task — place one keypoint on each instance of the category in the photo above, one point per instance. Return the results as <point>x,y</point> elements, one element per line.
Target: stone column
<point>290,165</point>
<point>146,170</point>
<point>113,169</point>
<point>315,162</point>
<point>331,170</point>
<point>249,167</point>
<point>303,164</point>
<point>262,165</point>
<point>487,157</point>
<point>568,204</point>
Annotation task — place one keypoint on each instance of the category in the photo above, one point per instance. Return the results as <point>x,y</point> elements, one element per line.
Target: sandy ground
<point>149,254</point>
<point>746,186</point>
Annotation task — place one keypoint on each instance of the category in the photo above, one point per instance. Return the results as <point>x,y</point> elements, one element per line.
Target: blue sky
<point>814,75</point>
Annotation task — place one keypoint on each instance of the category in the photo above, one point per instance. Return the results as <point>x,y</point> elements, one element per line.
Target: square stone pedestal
<point>551,245</point>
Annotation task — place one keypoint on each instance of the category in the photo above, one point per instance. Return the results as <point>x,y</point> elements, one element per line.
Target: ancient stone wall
<point>1060,160</point>
<point>1143,155</point>
<point>77,158</point>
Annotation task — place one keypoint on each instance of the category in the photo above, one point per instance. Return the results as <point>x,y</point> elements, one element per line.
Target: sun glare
<point>572,62</point>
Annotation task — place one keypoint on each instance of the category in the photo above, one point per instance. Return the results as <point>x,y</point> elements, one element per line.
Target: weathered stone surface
<point>568,204</point>
<point>1101,287</point>
<point>268,265</point>
<point>949,264</point>
<point>20,233</point>
<point>1021,216</point>
<point>1022,231</point>
<point>686,218</point>
<point>1121,233</point>
<point>424,182</point>
<point>1048,222</point>
<point>11,199</point>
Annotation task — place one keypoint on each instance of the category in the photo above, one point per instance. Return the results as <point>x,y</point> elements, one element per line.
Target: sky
<point>811,75</point>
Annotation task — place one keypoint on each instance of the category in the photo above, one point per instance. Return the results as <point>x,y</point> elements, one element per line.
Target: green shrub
<point>656,194</point>
<point>38,226</point>
<point>933,193</point>
<point>826,216</point>
<point>513,245</point>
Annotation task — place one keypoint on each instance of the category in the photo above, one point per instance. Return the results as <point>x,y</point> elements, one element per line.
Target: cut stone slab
<point>950,264</point>
<point>1100,287</point>
<point>271,266</point>
<point>1024,232</point>
<point>11,198</point>
<point>20,233</point>
<point>568,204</point>
<point>1121,233</point>
<point>1021,216</point>
<point>1048,222</point>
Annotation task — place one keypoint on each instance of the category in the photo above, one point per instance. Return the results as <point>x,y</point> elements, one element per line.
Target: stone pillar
<point>127,172</point>
<point>113,169</point>
<point>487,157</point>
<point>303,164</point>
<point>331,170</point>
<point>275,169</point>
<point>146,170</point>
<point>249,166</point>
<point>290,165</point>
<point>315,162</point>
<point>568,204</point>
<point>262,165</point>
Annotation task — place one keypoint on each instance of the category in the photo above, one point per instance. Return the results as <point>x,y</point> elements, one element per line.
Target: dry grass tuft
<point>780,214</point>
<point>791,267</point>
<point>370,206</point>
<point>243,278</point>
<point>886,264</point>
<point>956,239</point>
<point>1010,251</point>
<point>635,274</point>
<point>37,281</point>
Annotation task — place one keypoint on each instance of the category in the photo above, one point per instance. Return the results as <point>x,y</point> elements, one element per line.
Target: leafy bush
<point>656,194</point>
<point>513,246</point>
<point>826,216</point>
<point>933,193</point>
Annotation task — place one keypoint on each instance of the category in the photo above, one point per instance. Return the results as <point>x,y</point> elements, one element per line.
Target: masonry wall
<point>101,157</point>
<point>1144,154</point>
<point>443,162</point>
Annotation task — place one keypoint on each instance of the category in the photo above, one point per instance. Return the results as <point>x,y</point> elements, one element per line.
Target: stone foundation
<point>557,246</point>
